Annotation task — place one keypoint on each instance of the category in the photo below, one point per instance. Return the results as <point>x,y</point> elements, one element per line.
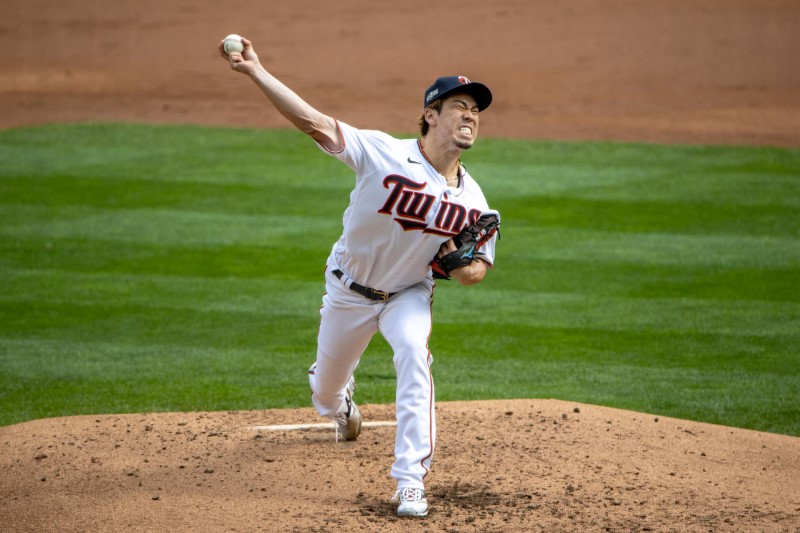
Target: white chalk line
<point>326,425</point>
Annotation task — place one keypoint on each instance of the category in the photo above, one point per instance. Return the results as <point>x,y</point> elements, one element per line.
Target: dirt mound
<point>521,465</point>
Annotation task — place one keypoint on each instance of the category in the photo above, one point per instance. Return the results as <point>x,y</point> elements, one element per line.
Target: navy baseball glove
<point>468,242</point>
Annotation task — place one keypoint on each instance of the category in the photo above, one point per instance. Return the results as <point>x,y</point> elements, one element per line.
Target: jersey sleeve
<point>362,148</point>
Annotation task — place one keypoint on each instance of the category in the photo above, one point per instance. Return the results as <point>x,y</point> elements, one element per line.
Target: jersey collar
<point>461,170</point>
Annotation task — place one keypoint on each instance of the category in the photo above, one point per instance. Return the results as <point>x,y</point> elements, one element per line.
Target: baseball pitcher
<point>415,215</point>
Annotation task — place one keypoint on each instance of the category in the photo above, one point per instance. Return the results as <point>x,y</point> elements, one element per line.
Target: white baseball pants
<point>348,322</point>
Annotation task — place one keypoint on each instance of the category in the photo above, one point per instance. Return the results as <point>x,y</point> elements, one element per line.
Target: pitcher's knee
<point>412,358</point>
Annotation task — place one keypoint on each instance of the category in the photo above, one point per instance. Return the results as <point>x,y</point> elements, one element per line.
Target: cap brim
<point>479,91</point>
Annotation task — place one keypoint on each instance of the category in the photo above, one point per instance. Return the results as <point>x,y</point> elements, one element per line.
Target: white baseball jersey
<point>401,211</point>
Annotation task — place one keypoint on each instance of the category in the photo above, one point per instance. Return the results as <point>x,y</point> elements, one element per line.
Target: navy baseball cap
<point>452,84</point>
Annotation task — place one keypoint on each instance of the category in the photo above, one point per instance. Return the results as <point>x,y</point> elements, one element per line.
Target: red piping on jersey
<point>428,159</point>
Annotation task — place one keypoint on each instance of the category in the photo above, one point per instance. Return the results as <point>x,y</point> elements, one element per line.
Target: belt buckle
<point>381,296</point>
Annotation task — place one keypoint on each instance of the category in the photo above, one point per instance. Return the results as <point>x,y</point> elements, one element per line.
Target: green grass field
<point>167,268</point>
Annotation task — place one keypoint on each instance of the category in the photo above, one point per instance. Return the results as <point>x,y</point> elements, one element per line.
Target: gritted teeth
<point>465,129</point>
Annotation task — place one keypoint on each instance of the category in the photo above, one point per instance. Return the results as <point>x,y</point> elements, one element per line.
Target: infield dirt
<point>685,71</point>
<point>676,71</point>
<point>519,465</point>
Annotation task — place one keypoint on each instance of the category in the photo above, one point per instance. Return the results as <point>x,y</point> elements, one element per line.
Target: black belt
<point>366,292</point>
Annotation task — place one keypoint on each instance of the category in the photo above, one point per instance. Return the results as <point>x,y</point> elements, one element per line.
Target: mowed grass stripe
<point>629,216</point>
<point>230,294</point>
<point>187,300</point>
<point>706,250</point>
<point>165,154</point>
<point>629,278</point>
<point>698,183</point>
<point>621,215</point>
<point>642,281</point>
<point>130,193</point>
<point>678,315</point>
<point>67,377</point>
<point>206,261</point>
<point>159,226</point>
<point>713,395</point>
<point>180,268</point>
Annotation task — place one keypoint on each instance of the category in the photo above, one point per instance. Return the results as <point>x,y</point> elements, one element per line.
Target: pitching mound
<point>522,465</point>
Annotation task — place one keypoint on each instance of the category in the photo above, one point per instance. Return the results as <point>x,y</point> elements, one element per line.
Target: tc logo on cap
<point>448,84</point>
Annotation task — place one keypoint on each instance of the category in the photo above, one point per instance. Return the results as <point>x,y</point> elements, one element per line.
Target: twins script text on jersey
<point>411,206</point>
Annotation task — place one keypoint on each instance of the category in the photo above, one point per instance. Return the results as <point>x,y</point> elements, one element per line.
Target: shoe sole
<point>413,512</point>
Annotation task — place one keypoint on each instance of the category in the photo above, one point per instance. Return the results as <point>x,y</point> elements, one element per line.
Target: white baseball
<point>233,43</point>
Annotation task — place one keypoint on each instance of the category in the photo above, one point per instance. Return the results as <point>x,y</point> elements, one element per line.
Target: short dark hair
<point>436,105</point>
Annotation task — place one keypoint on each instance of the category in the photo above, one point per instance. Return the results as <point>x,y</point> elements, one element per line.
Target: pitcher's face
<point>458,120</point>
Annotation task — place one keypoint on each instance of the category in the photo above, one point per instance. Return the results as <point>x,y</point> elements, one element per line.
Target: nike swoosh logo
<point>412,161</point>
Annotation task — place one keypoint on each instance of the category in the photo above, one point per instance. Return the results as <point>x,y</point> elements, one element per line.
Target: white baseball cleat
<point>348,422</point>
<point>412,502</point>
